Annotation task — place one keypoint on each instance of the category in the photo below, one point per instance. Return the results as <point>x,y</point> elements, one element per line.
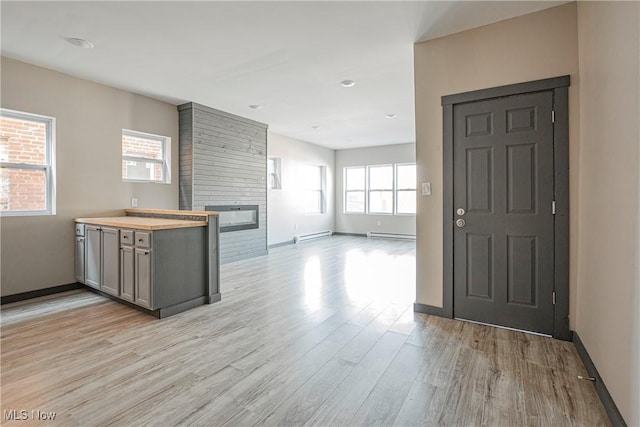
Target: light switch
<point>426,188</point>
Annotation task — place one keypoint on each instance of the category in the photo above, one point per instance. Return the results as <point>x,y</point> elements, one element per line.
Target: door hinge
<point>553,116</point>
<point>553,207</point>
<point>554,297</point>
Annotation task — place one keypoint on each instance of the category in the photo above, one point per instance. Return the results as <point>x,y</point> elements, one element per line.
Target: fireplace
<point>236,217</point>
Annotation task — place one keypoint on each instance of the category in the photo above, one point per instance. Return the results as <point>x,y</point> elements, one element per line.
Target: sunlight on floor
<point>379,275</point>
<point>312,284</point>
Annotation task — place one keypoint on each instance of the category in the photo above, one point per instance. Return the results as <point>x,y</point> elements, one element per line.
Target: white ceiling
<point>288,57</point>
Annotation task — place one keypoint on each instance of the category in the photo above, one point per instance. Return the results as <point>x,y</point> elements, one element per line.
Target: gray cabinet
<point>79,262</point>
<point>92,257</point>
<point>79,259</point>
<point>143,278</point>
<point>110,261</point>
<point>135,267</point>
<point>127,273</point>
<point>164,271</point>
<point>101,260</point>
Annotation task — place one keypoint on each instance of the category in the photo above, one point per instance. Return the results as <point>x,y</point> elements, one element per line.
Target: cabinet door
<point>80,259</point>
<point>127,273</point>
<point>111,261</point>
<point>143,278</point>
<point>93,244</point>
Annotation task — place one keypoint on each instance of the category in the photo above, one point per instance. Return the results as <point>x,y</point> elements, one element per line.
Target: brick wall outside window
<point>137,146</point>
<point>22,141</point>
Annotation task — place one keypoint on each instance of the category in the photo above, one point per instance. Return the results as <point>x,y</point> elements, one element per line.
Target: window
<point>406,189</point>
<point>381,189</point>
<point>313,181</point>
<point>273,172</point>
<point>354,190</point>
<point>27,159</point>
<point>145,157</point>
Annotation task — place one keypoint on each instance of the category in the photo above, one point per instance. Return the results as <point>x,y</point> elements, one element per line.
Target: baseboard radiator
<point>373,234</point>
<point>311,236</point>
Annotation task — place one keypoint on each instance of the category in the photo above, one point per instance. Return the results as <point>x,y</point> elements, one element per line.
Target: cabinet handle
<point>125,237</point>
<point>80,240</point>
<point>139,240</point>
<point>146,252</point>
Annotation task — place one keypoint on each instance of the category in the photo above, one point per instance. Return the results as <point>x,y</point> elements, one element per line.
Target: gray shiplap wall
<point>185,163</point>
<point>223,161</point>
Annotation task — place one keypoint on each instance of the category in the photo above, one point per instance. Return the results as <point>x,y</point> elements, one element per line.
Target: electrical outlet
<point>134,202</point>
<point>426,188</point>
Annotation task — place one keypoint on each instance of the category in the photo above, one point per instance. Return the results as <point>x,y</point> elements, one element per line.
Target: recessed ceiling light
<point>80,43</point>
<point>391,116</point>
<point>255,107</point>
<point>315,127</point>
<point>347,83</point>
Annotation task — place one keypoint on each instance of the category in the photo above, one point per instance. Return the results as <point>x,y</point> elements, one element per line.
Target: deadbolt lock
<point>460,211</point>
<point>460,223</point>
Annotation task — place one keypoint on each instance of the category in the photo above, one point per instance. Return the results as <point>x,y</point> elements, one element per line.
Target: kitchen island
<point>160,261</point>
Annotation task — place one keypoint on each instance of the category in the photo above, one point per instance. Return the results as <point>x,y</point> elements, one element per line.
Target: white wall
<point>597,44</point>
<point>38,251</point>
<point>531,47</point>
<point>360,223</point>
<point>285,207</point>
<point>609,254</point>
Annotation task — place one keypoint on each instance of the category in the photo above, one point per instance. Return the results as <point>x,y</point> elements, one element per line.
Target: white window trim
<point>398,190</point>
<point>369,190</point>
<point>322,190</point>
<point>396,207</point>
<point>49,168</point>
<point>277,173</point>
<point>165,161</point>
<point>363,191</point>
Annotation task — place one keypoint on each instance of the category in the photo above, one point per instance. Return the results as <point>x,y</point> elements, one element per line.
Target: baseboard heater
<point>311,236</point>
<point>373,234</point>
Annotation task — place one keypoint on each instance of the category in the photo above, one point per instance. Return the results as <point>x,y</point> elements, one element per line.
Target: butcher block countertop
<point>170,212</point>
<point>141,223</point>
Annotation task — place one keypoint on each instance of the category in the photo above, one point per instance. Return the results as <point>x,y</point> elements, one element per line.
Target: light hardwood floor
<point>320,333</point>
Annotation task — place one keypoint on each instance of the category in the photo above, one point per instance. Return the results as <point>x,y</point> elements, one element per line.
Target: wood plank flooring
<point>320,333</point>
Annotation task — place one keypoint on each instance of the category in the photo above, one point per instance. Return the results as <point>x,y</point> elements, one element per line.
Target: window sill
<point>377,214</point>
<point>136,181</point>
<point>26,213</point>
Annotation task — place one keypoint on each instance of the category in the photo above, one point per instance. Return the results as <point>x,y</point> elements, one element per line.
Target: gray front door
<point>503,191</point>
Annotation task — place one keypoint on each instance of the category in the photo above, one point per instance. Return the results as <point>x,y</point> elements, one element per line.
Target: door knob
<point>460,211</point>
<point>460,223</point>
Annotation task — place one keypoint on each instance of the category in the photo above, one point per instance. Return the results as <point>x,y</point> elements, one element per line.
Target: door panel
<point>521,178</point>
<point>479,179</point>
<point>521,119</point>
<point>480,266</point>
<point>503,179</point>
<point>522,274</point>
<point>479,124</point>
